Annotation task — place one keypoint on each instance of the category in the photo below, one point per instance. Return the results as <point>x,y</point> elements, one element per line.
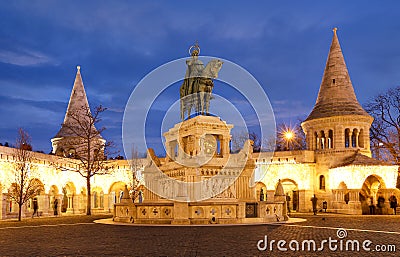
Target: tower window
<point>333,81</point>
<point>347,138</point>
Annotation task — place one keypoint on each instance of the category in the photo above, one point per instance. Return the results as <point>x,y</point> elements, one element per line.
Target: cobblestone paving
<point>78,236</point>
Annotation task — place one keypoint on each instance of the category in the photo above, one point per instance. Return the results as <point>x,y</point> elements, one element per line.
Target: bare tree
<point>23,187</point>
<point>238,139</point>
<point>92,150</point>
<point>136,165</point>
<point>260,144</point>
<point>385,129</point>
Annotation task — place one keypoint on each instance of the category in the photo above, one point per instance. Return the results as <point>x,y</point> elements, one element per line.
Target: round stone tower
<point>68,141</point>
<point>337,124</point>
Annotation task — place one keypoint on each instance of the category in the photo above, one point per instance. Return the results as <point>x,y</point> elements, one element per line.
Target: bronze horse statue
<point>195,92</point>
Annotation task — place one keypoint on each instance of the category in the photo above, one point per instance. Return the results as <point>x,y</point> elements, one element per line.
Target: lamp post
<point>288,135</point>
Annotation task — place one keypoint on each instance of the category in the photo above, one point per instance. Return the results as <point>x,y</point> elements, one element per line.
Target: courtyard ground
<point>80,236</point>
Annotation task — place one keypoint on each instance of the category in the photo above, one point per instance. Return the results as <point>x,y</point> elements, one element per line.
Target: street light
<point>288,135</point>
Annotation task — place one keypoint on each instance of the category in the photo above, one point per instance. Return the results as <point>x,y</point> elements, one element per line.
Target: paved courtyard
<point>79,236</point>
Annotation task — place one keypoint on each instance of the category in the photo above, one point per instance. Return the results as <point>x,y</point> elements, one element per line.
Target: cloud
<point>289,109</point>
<point>25,58</point>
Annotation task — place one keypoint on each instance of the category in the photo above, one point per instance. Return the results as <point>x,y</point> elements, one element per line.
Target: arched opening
<point>97,198</point>
<point>70,153</point>
<point>361,139</point>
<point>53,199</point>
<point>323,140</point>
<point>369,193</point>
<point>330,139</point>
<point>322,182</point>
<point>347,138</point>
<point>69,191</point>
<point>12,205</point>
<point>116,193</point>
<point>292,194</point>
<point>37,186</point>
<point>83,200</point>
<point>354,138</point>
<point>261,191</point>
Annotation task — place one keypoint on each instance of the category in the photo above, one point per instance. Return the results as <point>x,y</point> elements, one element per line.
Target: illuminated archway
<point>290,187</point>
<point>97,198</point>
<point>260,186</point>
<point>115,193</point>
<point>369,191</point>
<point>69,192</point>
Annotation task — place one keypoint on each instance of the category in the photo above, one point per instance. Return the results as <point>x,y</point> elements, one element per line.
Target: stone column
<point>70,203</point>
<point>106,203</point>
<point>3,210</point>
<point>356,136</point>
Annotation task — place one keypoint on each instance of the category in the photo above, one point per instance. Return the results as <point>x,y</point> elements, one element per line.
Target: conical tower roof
<point>78,103</point>
<point>336,95</point>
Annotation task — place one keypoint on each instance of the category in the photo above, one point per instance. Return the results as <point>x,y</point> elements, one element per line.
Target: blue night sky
<point>283,44</point>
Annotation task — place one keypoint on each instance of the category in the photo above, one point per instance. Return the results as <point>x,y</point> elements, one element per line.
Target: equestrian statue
<point>195,92</point>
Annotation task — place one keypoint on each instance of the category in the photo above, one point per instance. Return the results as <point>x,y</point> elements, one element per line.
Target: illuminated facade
<point>337,166</point>
<point>56,173</point>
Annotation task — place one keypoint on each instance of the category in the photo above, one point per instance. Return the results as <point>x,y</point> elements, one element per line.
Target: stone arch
<point>70,152</point>
<point>354,138</point>
<point>115,192</point>
<point>53,194</point>
<point>38,196</point>
<point>83,200</point>
<point>97,197</point>
<point>361,138</point>
<point>260,186</point>
<point>290,187</point>
<point>39,184</point>
<point>323,140</point>
<point>69,193</point>
<point>347,138</point>
<point>12,206</point>
<point>369,191</point>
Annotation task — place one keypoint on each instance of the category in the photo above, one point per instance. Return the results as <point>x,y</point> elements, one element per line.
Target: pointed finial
<point>334,30</point>
<point>78,68</point>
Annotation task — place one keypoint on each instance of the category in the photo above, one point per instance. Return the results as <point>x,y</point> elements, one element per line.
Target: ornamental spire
<point>336,95</point>
<point>77,103</point>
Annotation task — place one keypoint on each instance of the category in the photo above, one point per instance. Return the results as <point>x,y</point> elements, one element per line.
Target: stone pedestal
<point>181,213</point>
